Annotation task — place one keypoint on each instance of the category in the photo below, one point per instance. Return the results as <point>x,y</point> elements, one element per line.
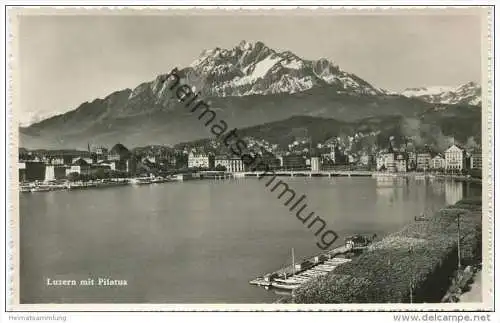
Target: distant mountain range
<point>247,85</point>
<point>469,93</point>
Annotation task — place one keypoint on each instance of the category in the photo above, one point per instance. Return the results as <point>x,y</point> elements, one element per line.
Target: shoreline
<point>36,186</point>
<point>422,254</point>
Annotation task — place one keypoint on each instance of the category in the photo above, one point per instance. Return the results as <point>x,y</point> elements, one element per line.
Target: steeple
<point>391,148</point>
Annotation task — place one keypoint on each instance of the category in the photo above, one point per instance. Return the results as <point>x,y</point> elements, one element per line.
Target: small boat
<point>358,241</point>
<point>41,189</point>
<point>141,180</point>
<point>261,282</point>
<point>291,280</point>
<point>158,180</point>
<point>288,286</point>
<point>25,188</point>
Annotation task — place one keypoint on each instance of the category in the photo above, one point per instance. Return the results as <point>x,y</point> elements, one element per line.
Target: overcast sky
<point>67,60</point>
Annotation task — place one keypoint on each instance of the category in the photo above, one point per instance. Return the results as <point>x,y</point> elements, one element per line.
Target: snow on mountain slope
<point>469,93</point>
<point>433,90</point>
<point>254,68</point>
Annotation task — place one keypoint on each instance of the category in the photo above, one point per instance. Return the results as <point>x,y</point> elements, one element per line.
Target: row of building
<point>48,167</point>
<point>236,164</point>
<point>454,158</point>
<point>119,158</point>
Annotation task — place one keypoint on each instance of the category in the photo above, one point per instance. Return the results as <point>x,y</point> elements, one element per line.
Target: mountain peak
<point>248,45</point>
<point>254,68</point>
<point>468,93</point>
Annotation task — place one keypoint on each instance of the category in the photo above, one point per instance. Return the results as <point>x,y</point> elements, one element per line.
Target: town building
<point>315,164</point>
<point>351,159</point>
<point>80,166</point>
<point>67,159</point>
<point>56,161</point>
<point>437,162</point>
<point>476,160</point>
<point>332,153</point>
<point>200,160</point>
<point>21,166</point>
<point>88,160</point>
<point>412,160</point>
<point>119,152</point>
<point>33,171</point>
<point>100,152</point>
<point>380,162</point>
<point>280,160</point>
<point>106,164</point>
<point>364,160</point>
<point>232,164</point>
<point>386,161</point>
<point>179,160</point>
<point>270,161</point>
<point>54,172</point>
<point>455,158</point>
<point>294,162</point>
<point>423,160</point>
<point>130,166</point>
<point>167,160</point>
<point>400,163</point>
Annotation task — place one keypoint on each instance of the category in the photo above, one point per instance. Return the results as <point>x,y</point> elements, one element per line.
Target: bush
<point>423,254</point>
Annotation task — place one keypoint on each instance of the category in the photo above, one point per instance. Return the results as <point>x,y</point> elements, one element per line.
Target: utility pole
<point>458,242</point>
<point>411,274</point>
<point>411,291</point>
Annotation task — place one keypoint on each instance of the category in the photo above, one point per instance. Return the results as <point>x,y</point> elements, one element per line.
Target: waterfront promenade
<point>354,173</point>
<point>43,186</point>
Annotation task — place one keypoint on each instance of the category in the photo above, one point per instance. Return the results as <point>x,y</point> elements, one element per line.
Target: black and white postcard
<point>250,159</point>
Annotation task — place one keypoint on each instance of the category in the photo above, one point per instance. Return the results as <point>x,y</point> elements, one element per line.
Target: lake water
<point>198,241</point>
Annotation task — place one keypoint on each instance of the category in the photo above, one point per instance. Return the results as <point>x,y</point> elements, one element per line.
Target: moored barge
<point>292,277</point>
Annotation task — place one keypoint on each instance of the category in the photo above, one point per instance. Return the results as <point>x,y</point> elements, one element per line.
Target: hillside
<point>248,85</point>
<point>436,128</point>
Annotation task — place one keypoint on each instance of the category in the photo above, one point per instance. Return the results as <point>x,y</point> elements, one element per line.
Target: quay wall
<point>376,174</point>
<point>412,265</point>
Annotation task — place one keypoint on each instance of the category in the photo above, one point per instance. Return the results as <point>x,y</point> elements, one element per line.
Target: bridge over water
<point>307,173</point>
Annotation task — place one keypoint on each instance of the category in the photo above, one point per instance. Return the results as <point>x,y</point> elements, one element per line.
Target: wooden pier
<point>290,277</point>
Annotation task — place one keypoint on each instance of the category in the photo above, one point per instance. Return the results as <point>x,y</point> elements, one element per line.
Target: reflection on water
<point>199,241</point>
<point>394,190</point>
<point>454,192</point>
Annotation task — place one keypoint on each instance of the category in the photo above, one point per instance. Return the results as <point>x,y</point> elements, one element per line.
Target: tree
<point>74,177</point>
<point>220,168</point>
<point>100,173</point>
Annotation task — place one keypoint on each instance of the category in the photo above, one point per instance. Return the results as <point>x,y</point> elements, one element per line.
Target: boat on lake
<point>296,274</point>
<point>285,285</point>
<point>41,188</point>
<point>358,241</point>
<point>141,180</point>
